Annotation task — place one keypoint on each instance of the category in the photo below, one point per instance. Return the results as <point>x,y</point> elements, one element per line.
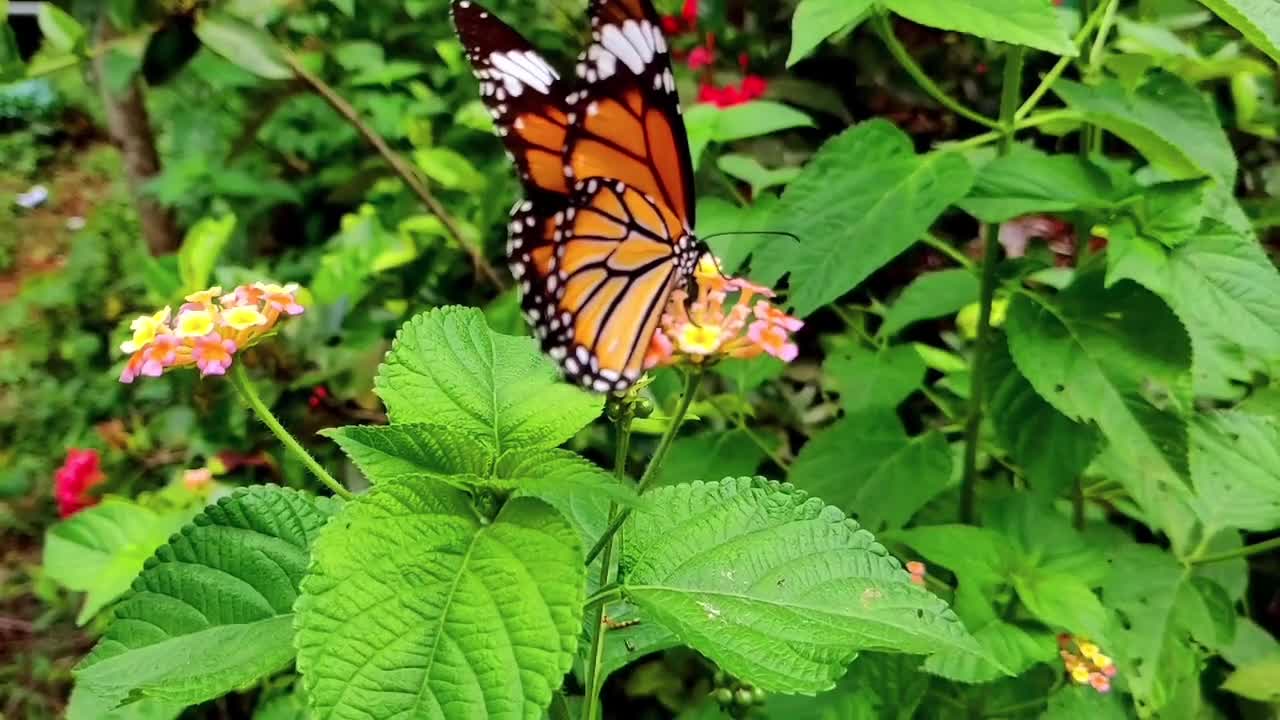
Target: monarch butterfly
<point>604,233</point>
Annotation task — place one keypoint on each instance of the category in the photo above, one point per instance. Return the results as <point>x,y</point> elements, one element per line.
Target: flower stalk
<point>990,255</point>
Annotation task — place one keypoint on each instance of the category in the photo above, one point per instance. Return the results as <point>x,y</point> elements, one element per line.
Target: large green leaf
<point>1257,680</point>
<point>415,607</point>
<point>878,686</point>
<point>447,367</point>
<point>976,555</point>
<point>1166,119</point>
<point>1015,648</point>
<point>1235,469</point>
<point>868,379</point>
<point>711,456</point>
<point>1051,448</point>
<point>817,20</point>
<point>59,29</point>
<point>384,452</point>
<point>200,250</point>
<point>929,296</point>
<point>212,611</point>
<point>1257,20</point>
<point>1027,181</point>
<point>243,45</point>
<point>867,465</point>
<point>708,124</point>
<point>1021,22</point>
<point>863,199</point>
<point>777,588</point>
<point>100,550</point>
<point>1116,357</point>
<point>1074,702</point>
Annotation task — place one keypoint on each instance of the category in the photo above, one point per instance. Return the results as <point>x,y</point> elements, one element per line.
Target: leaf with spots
<point>414,607</point>
<point>776,587</point>
<point>212,610</point>
<point>448,368</point>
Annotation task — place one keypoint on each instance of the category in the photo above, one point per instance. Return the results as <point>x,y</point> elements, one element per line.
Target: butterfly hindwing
<point>624,118</point>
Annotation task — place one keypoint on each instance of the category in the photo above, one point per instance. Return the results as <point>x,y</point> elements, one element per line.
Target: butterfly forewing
<point>625,115</point>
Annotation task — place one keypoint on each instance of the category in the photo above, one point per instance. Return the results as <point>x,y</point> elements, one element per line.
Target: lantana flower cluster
<point>72,483</point>
<point>1085,663</point>
<point>709,329</point>
<point>207,330</point>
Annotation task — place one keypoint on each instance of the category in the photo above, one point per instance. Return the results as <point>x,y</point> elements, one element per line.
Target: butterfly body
<point>604,233</point>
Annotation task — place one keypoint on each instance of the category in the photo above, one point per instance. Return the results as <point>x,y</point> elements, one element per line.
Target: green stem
<point>240,380</point>
<point>691,382</point>
<point>884,29</point>
<point>969,483</point>
<point>1104,29</point>
<point>752,436</point>
<point>1240,552</point>
<point>946,248</point>
<point>595,657</point>
<point>606,594</point>
<point>1056,71</point>
<point>981,139</point>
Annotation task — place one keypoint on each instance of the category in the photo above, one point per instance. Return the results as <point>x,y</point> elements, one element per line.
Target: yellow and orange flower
<point>208,330</point>
<point>1085,664</point>
<point>708,329</point>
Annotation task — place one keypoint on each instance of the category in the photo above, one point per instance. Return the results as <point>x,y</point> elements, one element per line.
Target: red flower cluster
<point>80,472</point>
<point>685,22</point>
<point>753,87</point>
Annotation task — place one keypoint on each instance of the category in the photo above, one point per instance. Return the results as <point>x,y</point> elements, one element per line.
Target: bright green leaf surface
<point>1257,20</point>
<point>448,367</point>
<point>1074,702</point>
<point>777,588</point>
<point>706,123</point>
<point>862,199</point>
<point>817,20</point>
<point>750,171</point>
<point>711,456</point>
<point>867,379</point>
<point>1166,119</point>
<point>1029,181</point>
<point>867,465</point>
<point>200,250</point>
<point>59,29</point>
<point>1116,357</point>
<point>212,610</point>
<point>1022,22</point>
<point>1051,448</point>
<point>414,608</point>
<point>99,550</point>
<point>383,452</point>
<point>1015,648</point>
<point>1235,469</point>
<point>929,296</point>
<point>878,686</point>
<point>243,44</point>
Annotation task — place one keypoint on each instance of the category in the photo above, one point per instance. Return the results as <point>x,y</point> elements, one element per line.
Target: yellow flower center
<point>243,317</point>
<point>194,323</point>
<point>145,328</point>
<point>699,339</point>
<point>204,297</point>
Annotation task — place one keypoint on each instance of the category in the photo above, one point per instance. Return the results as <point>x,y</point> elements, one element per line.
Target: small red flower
<point>318,395</point>
<point>701,57</point>
<point>80,472</point>
<point>690,13</point>
<point>752,87</point>
<point>671,25</point>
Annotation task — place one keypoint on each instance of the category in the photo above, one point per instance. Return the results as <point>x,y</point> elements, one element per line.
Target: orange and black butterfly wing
<point>624,118</point>
<point>619,254</point>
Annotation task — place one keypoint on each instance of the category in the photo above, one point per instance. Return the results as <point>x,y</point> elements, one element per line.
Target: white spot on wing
<point>518,72</point>
<point>612,39</point>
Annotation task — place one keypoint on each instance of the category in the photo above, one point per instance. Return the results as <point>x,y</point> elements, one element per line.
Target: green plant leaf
<point>1166,119</point>
<point>1015,648</point>
<point>99,550</point>
<point>1074,702</point>
<point>1257,20</point>
<point>448,367</point>
<point>706,123</point>
<point>1171,212</point>
<point>1062,601</point>
<point>212,610</point>
<point>817,20</point>
<point>716,215</point>
<point>775,587</point>
<point>1022,22</point>
<point>449,168</point>
<point>710,456</point>
<point>867,465</point>
<point>1052,449</point>
<point>976,555</point>
<point>863,199</point>
<point>384,452</point>
<point>1027,181</point>
<point>1115,357</point>
<point>931,295</point>
<point>473,619</point>
<point>747,375</point>
<point>868,379</point>
<point>59,29</point>
<point>749,170</point>
<point>879,686</point>
<point>1235,470</point>
<point>243,44</point>
<point>1257,680</point>
<point>200,250</point>
<point>550,472</point>
<point>84,705</point>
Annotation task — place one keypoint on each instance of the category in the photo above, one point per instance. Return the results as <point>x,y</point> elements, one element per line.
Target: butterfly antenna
<point>783,233</point>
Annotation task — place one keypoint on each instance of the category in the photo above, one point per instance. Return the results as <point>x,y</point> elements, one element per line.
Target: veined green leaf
<point>1235,470</point>
<point>1115,357</point>
<point>383,452</point>
<point>868,379</point>
<point>817,20</point>
<point>1015,648</point>
<point>1257,680</point>
<point>1021,22</point>
<point>243,44</point>
<point>212,610</point>
<point>706,123</point>
<point>1257,20</point>
<point>448,367</point>
<point>931,295</point>
<point>864,198</point>
<point>777,588</point>
<point>414,607</point>
<point>1029,181</point>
